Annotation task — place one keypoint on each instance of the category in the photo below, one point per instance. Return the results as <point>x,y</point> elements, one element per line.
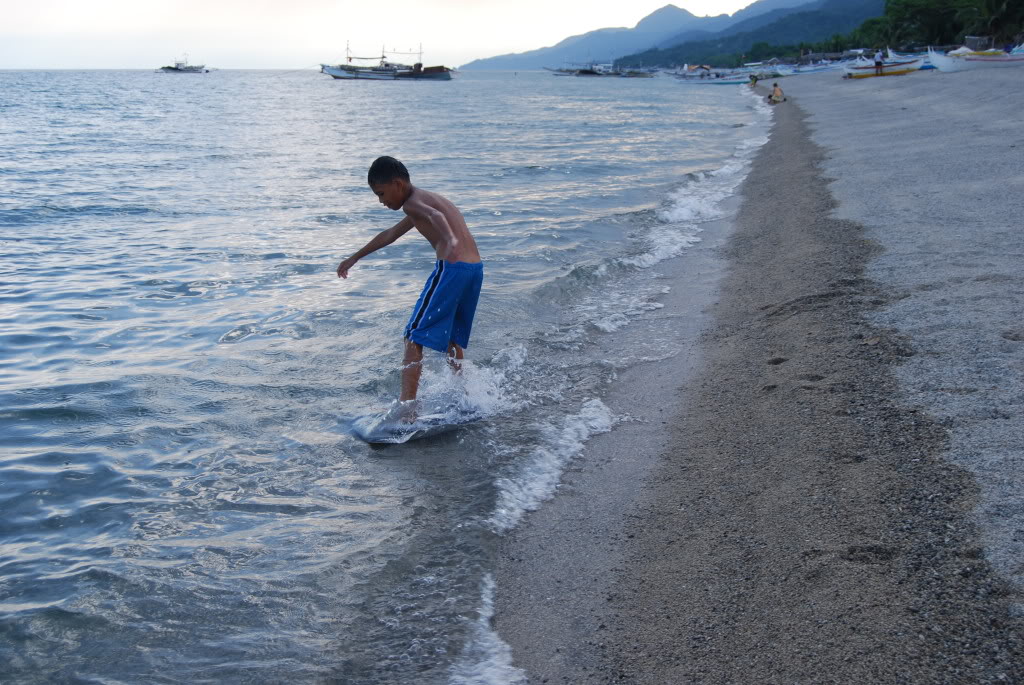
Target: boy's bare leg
<point>412,367</point>
<point>455,355</point>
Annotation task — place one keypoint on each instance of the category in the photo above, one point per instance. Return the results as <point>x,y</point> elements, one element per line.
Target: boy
<point>443,315</point>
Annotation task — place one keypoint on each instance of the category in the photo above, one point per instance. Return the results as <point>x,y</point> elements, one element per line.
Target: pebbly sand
<point>830,484</point>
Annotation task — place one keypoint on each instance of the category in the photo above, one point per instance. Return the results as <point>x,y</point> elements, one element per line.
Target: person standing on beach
<point>443,315</point>
<point>878,62</point>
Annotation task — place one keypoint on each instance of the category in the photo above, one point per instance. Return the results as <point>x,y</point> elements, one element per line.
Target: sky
<point>294,34</point>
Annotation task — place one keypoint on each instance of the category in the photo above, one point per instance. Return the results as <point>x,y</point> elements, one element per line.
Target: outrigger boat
<point>863,68</point>
<point>965,59</point>
<point>385,70</point>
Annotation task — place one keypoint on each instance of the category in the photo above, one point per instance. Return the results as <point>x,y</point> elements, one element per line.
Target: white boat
<point>594,69</point>
<point>899,57</point>
<point>964,60</point>
<point>862,68</point>
<point>815,68</point>
<point>723,81</point>
<point>181,66</point>
<point>705,75</point>
<point>385,70</point>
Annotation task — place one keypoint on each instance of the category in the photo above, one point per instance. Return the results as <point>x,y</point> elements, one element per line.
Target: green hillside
<point>835,17</point>
<point>837,25</point>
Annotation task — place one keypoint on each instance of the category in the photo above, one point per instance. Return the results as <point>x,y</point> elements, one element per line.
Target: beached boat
<point>862,68</point>
<point>965,59</point>
<point>183,67</point>
<point>385,70</point>
<point>815,68</point>
<point>724,81</point>
<point>704,75</point>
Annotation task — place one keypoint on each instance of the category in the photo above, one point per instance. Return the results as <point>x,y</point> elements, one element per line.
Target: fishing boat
<point>815,68</point>
<point>862,68</point>
<point>594,69</point>
<point>965,59</point>
<point>384,69</point>
<point>183,67</point>
<point>637,73</point>
<point>896,57</point>
<point>721,81</point>
<point>705,75</point>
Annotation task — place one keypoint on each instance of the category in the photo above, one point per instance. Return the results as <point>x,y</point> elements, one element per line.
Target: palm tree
<point>997,18</point>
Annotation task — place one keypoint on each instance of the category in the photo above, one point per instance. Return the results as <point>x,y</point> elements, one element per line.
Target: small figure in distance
<point>443,315</point>
<point>753,80</point>
<point>878,62</point>
<point>777,95</point>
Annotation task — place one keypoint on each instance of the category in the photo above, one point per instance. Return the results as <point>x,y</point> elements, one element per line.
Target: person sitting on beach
<point>443,315</point>
<point>878,62</point>
<point>777,95</point>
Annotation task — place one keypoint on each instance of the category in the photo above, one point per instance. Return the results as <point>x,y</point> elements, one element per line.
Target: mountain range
<point>811,23</point>
<point>663,28</point>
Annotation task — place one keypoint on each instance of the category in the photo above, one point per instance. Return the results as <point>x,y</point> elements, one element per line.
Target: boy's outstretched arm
<point>385,237</point>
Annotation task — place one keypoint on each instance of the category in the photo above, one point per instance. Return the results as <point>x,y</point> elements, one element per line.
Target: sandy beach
<point>827,484</point>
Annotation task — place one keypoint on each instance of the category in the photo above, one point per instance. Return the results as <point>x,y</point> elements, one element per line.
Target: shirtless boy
<point>443,315</point>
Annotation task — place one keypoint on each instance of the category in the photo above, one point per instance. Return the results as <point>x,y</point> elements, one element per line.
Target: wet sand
<point>815,508</point>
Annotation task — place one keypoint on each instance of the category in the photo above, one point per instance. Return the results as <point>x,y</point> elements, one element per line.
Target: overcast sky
<point>291,34</point>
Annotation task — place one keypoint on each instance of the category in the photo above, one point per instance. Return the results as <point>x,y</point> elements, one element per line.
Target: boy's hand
<point>344,267</point>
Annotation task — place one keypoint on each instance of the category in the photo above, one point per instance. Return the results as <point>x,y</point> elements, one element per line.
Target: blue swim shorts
<point>444,312</point>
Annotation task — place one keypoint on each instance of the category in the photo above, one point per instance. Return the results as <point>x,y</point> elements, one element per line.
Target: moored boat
<point>183,67</point>
<point>385,70</point>
<point>964,60</point>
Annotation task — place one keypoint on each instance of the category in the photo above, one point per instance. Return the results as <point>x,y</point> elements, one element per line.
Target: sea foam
<point>487,659</point>
<point>537,478</point>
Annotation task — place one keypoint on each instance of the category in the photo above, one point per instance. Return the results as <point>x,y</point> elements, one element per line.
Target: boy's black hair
<point>386,169</point>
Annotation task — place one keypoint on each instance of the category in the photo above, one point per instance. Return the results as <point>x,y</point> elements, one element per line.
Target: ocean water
<point>179,500</point>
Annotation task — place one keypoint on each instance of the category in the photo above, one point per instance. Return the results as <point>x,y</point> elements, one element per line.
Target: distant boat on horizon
<point>183,67</point>
<point>385,70</point>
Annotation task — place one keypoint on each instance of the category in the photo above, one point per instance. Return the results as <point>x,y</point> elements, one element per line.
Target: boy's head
<point>389,180</point>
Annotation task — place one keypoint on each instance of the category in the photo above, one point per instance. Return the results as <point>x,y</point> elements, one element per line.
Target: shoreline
<point>804,521</point>
<point>556,567</point>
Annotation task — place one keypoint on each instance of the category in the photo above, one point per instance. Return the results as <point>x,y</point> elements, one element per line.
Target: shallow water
<point>180,501</point>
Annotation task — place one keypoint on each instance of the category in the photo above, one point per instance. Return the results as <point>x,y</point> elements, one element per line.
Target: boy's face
<point>391,194</point>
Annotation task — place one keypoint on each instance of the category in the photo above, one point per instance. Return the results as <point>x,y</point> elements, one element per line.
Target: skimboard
<point>385,428</point>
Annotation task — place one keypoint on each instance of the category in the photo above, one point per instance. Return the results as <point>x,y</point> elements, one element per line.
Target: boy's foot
<point>404,411</point>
